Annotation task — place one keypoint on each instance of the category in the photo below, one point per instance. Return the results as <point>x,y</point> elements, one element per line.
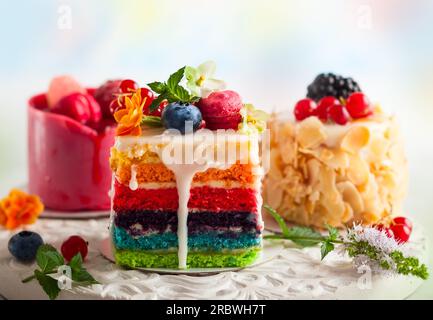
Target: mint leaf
<point>333,232</point>
<point>278,219</point>
<point>304,237</point>
<point>83,277</point>
<point>48,284</point>
<point>179,93</point>
<point>76,262</point>
<point>48,259</point>
<point>158,87</point>
<point>155,103</point>
<point>326,248</point>
<point>175,78</point>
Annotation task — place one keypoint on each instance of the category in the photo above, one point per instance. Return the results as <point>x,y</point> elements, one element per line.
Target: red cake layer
<point>202,198</point>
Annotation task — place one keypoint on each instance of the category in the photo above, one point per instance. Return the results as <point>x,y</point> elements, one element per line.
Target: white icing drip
<point>133,184</point>
<point>184,174</point>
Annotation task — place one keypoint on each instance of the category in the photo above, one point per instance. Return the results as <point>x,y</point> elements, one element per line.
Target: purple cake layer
<point>141,221</point>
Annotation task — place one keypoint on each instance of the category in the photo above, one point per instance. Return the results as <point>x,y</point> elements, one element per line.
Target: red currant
<point>304,108</point>
<point>148,94</point>
<point>338,114</point>
<point>128,86</point>
<point>158,110</point>
<point>401,232</point>
<point>358,105</point>
<point>72,246</point>
<point>323,107</point>
<point>115,105</point>
<point>387,231</point>
<point>202,124</point>
<point>404,221</point>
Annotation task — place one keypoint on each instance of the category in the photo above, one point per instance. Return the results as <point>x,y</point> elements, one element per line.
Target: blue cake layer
<point>210,240</point>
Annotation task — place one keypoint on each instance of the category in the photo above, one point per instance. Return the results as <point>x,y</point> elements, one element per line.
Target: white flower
<point>380,241</point>
<point>200,80</point>
<point>375,237</point>
<point>253,120</point>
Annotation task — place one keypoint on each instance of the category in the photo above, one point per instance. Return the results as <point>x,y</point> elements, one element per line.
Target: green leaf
<point>175,78</point>
<point>326,248</point>
<point>83,277</point>
<point>158,87</point>
<point>409,265</point>
<point>333,232</point>
<point>151,121</point>
<point>76,262</point>
<point>179,93</point>
<point>304,236</point>
<point>48,259</point>
<point>155,103</point>
<point>278,219</point>
<point>48,284</point>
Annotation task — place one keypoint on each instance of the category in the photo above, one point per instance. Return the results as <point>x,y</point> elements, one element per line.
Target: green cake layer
<point>149,259</point>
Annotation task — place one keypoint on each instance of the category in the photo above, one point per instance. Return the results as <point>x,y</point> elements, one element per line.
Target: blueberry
<point>175,114</point>
<point>24,245</point>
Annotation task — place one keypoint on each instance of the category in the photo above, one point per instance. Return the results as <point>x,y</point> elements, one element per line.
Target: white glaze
<point>133,184</point>
<point>184,174</point>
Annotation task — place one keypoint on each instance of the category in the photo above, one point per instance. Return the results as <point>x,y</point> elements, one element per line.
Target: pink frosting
<point>68,162</point>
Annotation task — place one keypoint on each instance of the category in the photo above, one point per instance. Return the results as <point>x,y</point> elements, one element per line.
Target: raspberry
<point>80,107</point>
<point>62,86</point>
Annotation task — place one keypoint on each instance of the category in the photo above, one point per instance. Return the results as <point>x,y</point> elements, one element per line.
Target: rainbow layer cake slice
<point>187,197</point>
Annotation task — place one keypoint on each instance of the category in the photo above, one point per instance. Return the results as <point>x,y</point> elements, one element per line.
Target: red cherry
<point>338,114</point>
<point>115,105</point>
<point>105,94</point>
<point>148,94</point>
<point>128,86</point>
<point>72,246</point>
<point>95,109</point>
<point>401,232</point>
<point>158,110</point>
<point>403,220</point>
<point>358,105</point>
<point>304,108</point>
<point>323,107</point>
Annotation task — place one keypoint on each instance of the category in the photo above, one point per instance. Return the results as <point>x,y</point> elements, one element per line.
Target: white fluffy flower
<point>383,245</point>
<point>375,237</point>
<point>200,80</point>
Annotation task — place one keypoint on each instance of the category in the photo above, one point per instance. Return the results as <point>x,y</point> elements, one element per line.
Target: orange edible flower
<point>19,208</point>
<point>129,118</point>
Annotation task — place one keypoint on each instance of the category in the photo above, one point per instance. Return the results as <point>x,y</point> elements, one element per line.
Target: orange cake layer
<point>158,172</point>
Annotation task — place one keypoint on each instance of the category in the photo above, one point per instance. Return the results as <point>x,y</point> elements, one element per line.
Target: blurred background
<point>268,51</point>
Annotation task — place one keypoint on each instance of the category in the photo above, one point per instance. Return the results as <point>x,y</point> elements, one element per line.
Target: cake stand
<point>290,274</point>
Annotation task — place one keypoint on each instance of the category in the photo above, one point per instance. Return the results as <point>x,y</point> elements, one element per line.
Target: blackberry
<point>329,84</point>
